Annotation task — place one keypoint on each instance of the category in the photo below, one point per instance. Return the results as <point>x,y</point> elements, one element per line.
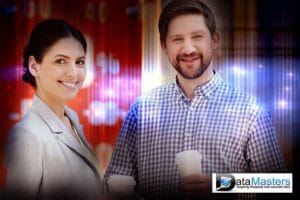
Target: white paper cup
<point>121,184</point>
<point>189,162</point>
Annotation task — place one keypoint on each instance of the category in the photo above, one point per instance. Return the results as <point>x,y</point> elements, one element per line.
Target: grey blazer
<point>44,161</point>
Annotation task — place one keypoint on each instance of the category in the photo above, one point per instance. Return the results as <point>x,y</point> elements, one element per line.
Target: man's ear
<point>163,47</point>
<point>33,66</point>
<point>215,40</point>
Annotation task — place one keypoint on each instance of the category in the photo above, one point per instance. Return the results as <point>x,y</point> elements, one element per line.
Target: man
<point>231,130</point>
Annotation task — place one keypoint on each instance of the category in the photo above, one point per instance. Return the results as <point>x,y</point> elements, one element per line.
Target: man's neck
<point>189,85</point>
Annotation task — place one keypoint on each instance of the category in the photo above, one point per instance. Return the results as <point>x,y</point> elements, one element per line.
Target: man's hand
<point>197,186</point>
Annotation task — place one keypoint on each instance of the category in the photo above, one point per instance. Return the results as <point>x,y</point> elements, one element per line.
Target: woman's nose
<point>71,70</point>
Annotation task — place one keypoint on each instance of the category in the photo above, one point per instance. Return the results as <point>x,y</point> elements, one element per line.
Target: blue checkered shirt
<point>232,131</point>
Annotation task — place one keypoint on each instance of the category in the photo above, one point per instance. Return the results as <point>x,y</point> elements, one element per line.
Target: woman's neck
<point>56,105</point>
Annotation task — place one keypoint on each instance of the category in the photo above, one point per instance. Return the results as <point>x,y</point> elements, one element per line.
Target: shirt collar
<point>205,90</point>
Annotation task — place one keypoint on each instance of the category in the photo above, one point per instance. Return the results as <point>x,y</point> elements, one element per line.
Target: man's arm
<point>123,160</point>
<point>263,152</point>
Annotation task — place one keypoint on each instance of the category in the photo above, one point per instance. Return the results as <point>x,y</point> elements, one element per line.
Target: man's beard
<point>199,71</point>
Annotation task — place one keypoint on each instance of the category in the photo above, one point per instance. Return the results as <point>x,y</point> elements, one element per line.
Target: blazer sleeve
<point>23,159</point>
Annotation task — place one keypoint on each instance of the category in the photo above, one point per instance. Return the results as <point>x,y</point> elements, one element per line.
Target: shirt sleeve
<point>23,160</point>
<point>124,160</point>
<point>263,153</point>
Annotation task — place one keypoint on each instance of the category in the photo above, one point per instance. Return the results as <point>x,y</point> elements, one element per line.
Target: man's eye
<point>197,36</point>
<point>60,61</point>
<point>177,39</point>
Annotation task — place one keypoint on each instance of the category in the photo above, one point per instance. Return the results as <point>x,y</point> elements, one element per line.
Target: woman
<point>47,155</point>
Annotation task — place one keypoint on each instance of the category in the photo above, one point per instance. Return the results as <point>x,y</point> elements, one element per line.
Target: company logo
<point>225,182</point>
<point>252,183</point>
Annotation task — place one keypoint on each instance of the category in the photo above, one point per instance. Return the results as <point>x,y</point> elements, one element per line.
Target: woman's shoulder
<point>29,126</point>
<point>24,135</point>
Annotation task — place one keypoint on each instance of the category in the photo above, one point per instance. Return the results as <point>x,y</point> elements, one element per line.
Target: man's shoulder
<point>239,97</point>
<point>158,93</point>
<point>154,97</point>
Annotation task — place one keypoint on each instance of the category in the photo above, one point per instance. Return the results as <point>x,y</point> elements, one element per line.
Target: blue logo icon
<point>225,182</point>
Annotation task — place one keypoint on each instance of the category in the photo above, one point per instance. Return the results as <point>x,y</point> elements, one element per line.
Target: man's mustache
<point>189,56</point>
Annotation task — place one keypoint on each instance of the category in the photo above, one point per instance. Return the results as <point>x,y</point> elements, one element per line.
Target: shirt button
<point>188,134</point>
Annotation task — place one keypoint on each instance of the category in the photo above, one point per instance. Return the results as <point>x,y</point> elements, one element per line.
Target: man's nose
<point>188,47</point>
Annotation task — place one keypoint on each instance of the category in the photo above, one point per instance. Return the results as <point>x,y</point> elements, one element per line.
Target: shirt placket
<point>189,125</point>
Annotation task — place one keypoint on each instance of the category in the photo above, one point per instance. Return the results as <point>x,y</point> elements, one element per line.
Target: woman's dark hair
<point>182,7</point>
<point>43,36</point>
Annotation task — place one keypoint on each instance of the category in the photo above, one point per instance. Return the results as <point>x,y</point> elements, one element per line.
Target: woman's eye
<point>60,61</point>
<point>80,62</point>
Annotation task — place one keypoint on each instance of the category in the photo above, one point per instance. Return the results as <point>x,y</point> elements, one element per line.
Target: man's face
<point>189,45</point>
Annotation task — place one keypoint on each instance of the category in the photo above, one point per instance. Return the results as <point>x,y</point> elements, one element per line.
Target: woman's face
<point>62,71</point>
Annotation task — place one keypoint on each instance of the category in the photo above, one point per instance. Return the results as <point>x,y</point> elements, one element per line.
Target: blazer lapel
<point>87,151</point>
<point>78,128</point>
<point>57,127</point>
<point>83,150</point>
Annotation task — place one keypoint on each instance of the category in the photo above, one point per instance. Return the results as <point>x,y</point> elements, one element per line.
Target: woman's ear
<point>33,66</point>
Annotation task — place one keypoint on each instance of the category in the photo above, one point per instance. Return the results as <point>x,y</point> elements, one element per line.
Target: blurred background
<point>258,54</point>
